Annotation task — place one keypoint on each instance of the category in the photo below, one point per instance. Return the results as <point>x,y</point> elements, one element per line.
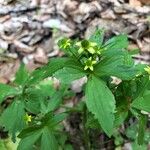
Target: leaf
<point>55,101</point>
<point>21,75</point>
<point>142,85</point>
<point>142,102</point>
<point>47,71</point>
<point>131,131</point>
<point>43,134</point>
<point>54,65</point>
<point>45,138</point>
<point>67,75</point>
<point>13,118</point>
<point>115,66</point>
<point>38,96</point>
<point>7,144</point>
<point>141,129</point>
<point>100,101</point>
<point>27,142</point>
<point>48,140</point>
<point>53,122</point>
<point>120,118</point>
<point>92,123</point>
<point>116,43</point>
<point>6,90</point>
<point>97,37</point>
<point>136,146</point>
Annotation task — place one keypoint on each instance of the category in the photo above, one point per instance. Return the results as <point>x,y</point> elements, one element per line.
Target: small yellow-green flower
<point>81,48</point>
<point>147,69</point>
<point>65,43</point>
<point>28,118</point>
<point>89,64</point>
<point>90,47</point>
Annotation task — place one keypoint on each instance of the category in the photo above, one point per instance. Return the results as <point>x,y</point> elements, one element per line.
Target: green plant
<point>33,112</point>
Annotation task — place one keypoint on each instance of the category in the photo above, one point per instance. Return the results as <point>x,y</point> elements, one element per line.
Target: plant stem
<point>85,131</point>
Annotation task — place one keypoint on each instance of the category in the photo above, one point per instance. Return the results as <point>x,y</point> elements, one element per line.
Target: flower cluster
<point>88,51</point>
<point>87,46</point>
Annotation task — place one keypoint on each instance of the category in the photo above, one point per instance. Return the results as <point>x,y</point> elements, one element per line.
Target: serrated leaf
<point>27,142</point>
<point>142,102</point>
<point>45,138</point>
<point>21,75</point>
<point>100,101</point>
<point>115,66</point>
<point>120,118</point>
<point>67,75</point>
<point>38,96</point>
<point>55,101</point>
<point>97,37</point>
<point>44,134</point>
<point>141,129</point>
<point>117,42</point>
<point>92,123</point>
<point>136,146</point>
<point>47,71</point>
<point>6,90</point>
<point>48,140</point>
<point>13,118</point>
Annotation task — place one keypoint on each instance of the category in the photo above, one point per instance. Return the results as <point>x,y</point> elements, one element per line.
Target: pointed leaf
<point>142,102</point>
<point>100,101</point>
<point>141,129</point>
<point>13,117</point>
<point>6,90</point>
<point>21,75</point>
<point>97,37</point>
<point>116,66</point>
<point>48,141</point>
<point>27,142</point>
<point>67,75</point>
<point>48,70</point>
<point>117,42</point>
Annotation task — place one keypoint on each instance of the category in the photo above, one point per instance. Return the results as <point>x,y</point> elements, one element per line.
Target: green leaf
<point>131,131</point>
<point>115,66</point>
<point>100,101</point>
<point>47,71</point>
<point>38,96</point>
<point>45,138</point>
<point>48,140</point>
<point>67,75</point>
<point>92,123</point>
<point>42,135</point>
<point>21,75</point>
<point>136,146</point>
<point>13,118</point>
<point>6,91</point>
<point>55,101</point>
<point>120,118</point>
<point>7,144</point>
<point>97,37</point>
<point>142,102</point>
<point>141,129</point>
<point>142,86</point>
<point>27,142</point>
<point>117,42</point>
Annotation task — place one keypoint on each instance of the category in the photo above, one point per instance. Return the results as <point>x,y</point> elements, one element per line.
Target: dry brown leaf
<point>135,3</point>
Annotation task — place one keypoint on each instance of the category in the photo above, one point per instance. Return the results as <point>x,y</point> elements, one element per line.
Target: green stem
<point>85,131</point>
